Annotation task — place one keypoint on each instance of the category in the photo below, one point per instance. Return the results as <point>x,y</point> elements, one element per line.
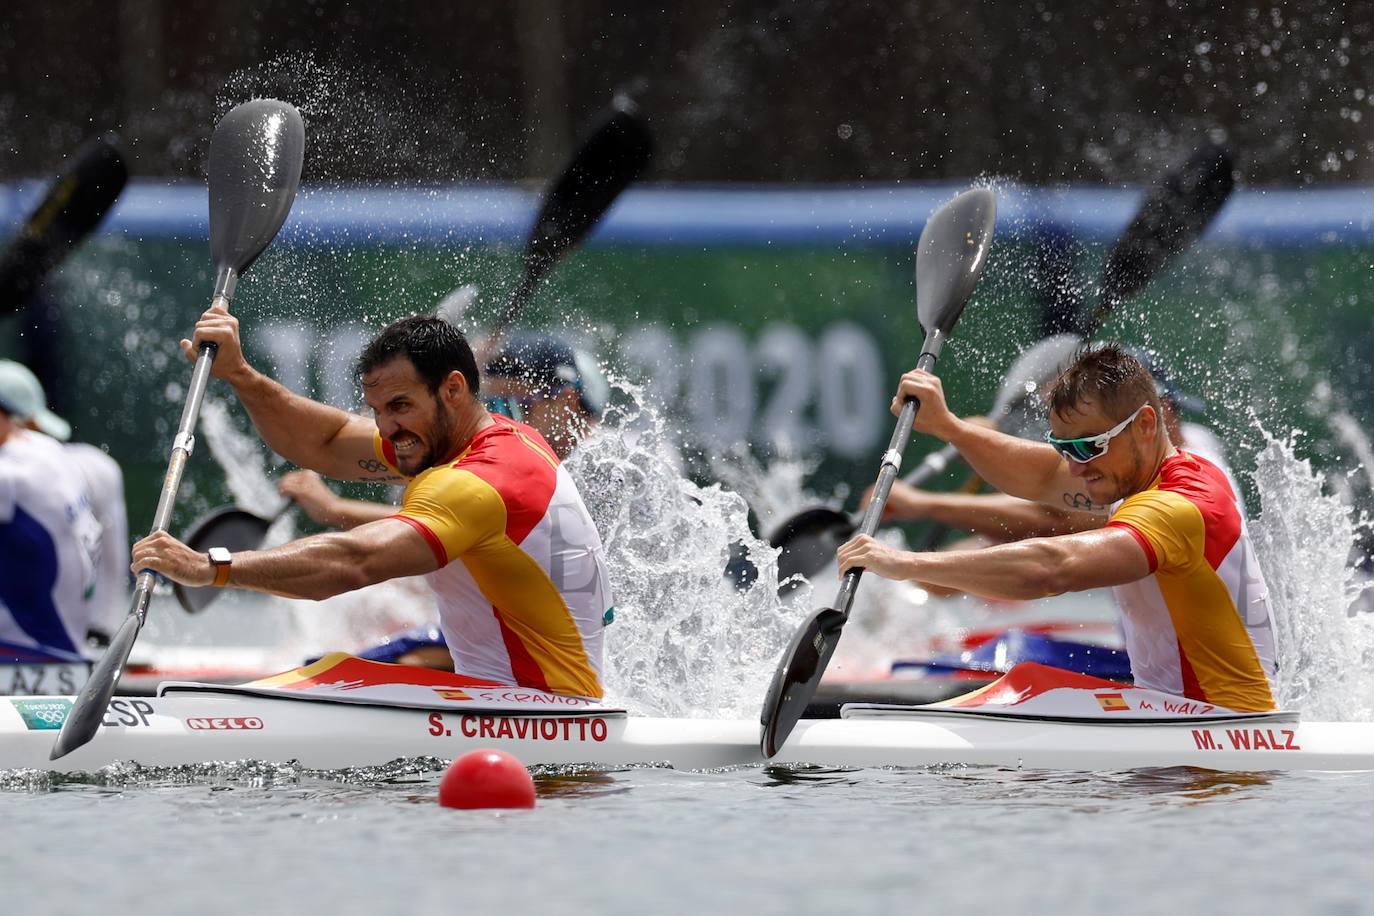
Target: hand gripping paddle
<point>254,169</point>
<point>950,256</point>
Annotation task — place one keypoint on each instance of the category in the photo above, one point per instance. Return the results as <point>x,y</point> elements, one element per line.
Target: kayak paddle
<point>809,539</point>
<point>229,527</point>
<point>613,154</point>
<point>72,208</point>
<point>1173,215</point>
<point>254,169</point>
<point>950,257</point>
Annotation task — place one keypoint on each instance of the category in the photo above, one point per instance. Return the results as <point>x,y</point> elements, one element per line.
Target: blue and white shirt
<point>50,543</point>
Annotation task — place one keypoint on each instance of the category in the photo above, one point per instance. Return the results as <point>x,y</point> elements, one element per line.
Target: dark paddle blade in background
<point>950,257</point>
<point>1171,217</point>
<point>615,152</point>
<point>75,204</point>
<point>809,539</point>
<point>229,527</point>
<point>255,162</point>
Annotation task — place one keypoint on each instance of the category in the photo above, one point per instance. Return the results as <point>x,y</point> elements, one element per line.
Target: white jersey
<point>105,483</point>
<point>50,543</point>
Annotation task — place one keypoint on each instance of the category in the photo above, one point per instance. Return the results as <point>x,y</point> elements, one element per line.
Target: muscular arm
<point>1033,568</point>
<point>1018,467</point>
<point>993,515</point>
<point>310,434</point>
<point>347,514</point>
<point>323,505</point>
<point>316,567</point>
<point>303,431</point>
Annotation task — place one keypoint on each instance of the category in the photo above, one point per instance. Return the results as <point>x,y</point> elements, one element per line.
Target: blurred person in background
<point>63,527</point>
<point>538,379</point>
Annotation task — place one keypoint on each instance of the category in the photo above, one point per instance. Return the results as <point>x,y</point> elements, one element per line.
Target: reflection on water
<point>1050,788</point>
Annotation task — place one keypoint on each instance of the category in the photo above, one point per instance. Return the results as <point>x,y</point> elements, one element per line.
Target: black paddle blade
<point>1053,281</point>
<point>254,169</point>
<point>809,539</point>
<point>230,528</point>
<point>1171,217</point>
<point>616,151</point>
<point>795,681</point>
<point>950,256</point>
<point>75,204</point>
<point>89,709</point>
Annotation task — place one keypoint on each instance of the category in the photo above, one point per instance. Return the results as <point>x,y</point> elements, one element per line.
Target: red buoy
<point>486,779</point>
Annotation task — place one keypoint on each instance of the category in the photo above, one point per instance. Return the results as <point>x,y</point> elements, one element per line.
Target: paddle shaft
<point>892,459</point>
<point>89,708</point>
<point>185,442</point>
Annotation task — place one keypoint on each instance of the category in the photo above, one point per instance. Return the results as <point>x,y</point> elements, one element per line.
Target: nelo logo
<point>241,723</point>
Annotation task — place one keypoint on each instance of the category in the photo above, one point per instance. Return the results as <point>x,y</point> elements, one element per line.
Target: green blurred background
<point>751,327</point>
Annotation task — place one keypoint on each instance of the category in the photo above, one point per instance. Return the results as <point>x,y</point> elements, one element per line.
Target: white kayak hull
<point>178,730</point>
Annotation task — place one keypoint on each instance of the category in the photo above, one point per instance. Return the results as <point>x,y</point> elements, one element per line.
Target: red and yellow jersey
<point>521,586</point>
<point>1199,625</point>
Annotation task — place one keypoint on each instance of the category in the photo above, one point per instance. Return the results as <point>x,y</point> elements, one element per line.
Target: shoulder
<point>507,440</point>
<point>1156,500</point>
<point>1198,480</point>
<point>447,483</point>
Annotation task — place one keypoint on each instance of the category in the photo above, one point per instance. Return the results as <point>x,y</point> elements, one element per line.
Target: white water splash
<point>242,457</point>
<point>686,641</point>
<point>1303,539</point>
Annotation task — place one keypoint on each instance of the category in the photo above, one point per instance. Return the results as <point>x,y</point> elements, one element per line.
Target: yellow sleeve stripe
<point>553,462</point>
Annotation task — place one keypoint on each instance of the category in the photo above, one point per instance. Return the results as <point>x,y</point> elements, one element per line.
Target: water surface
<point>244,838</point>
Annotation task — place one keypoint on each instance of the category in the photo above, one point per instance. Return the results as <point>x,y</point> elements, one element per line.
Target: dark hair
<point>432,345</point>
<point>1107,374</point>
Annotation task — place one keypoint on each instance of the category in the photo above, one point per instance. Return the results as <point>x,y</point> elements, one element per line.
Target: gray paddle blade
<point>230,528</point>
<point>950,255</point>
<point>86,714</point>
<point>255,163</point>
<point>1037,365</point>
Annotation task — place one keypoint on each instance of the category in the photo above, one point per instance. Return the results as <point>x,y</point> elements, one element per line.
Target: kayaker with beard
<point>489,516</point>
<point>538,379</point>
<point>1194,605</point>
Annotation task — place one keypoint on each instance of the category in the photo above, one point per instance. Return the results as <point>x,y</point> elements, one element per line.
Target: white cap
<point>21,396</point>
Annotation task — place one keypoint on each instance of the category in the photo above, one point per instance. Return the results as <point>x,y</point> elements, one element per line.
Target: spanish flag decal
<point>452,693</point>
<point>1112,702</point>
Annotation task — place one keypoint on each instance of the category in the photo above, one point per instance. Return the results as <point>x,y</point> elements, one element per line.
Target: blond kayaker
<point>1194,605</point>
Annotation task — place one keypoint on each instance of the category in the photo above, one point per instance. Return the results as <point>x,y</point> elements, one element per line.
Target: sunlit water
<point>244,839</point>
<point>224,837</point>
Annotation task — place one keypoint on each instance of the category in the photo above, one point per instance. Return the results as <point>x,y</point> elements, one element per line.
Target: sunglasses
<point>1086,448</point>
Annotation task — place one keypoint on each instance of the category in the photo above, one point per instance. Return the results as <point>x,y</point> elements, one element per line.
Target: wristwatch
<point>220,559</point>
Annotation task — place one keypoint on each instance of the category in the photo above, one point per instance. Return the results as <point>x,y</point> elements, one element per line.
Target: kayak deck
<point>183,729</point>
<point>343,711</point>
